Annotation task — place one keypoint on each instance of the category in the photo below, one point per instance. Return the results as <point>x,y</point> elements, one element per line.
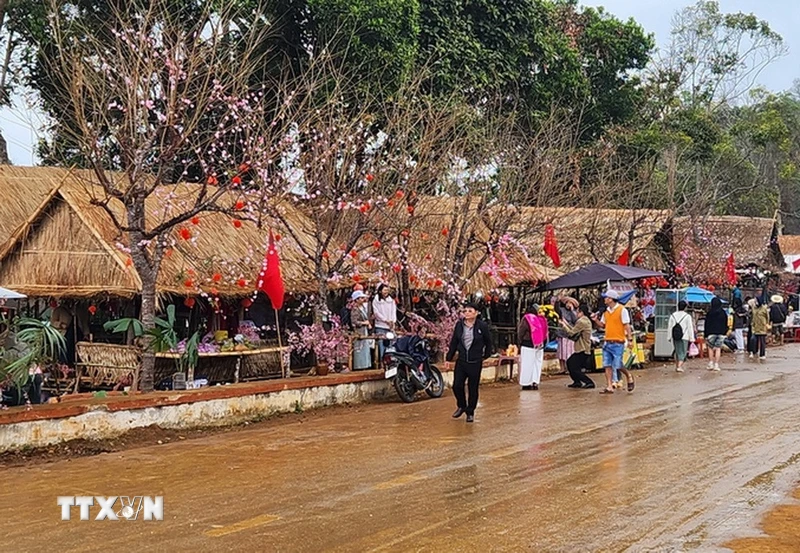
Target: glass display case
<point>666,305</point>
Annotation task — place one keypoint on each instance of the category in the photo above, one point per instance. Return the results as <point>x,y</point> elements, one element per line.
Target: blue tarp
<point>694,294</point>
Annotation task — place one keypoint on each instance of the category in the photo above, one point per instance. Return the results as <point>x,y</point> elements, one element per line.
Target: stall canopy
<point>693,294</point>
<point>599,273</point>
<point>6,294</point>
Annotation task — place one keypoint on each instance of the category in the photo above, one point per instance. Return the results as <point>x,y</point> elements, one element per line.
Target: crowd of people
<point>743,326</point>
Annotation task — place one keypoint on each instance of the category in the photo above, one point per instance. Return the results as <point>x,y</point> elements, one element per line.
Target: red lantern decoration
<point>216,277</point>
<point>396,268</point>
<point>415,299</point>
<point>188,283</point>
<point>399,194</point>
<point>368,263</point>
<point>503,275</point>
<point>437,282</point>
<point>212,180</point>
<point>428,257</point>
<point>185,233</point>
<point>404,234</point>
<point>370,177</point>
<point>237,223</point>
<point>353,254</point>
<point>376,244</point>
<point>356,278</point>
<point>128,261</point>
<point>168,252</point>
<point>390,203</point>
<point>410,209</point>
<point>325,255</point>
<point>189,302</point>
<point>679,271</point>
<point>236,180</point>
<point>92,309</point>
<point>241,282</point>
<point>277,237</point>
<point>244,168</point>
<point>445,231</point>
<point>711,288</point>
<point>239,205</point>
<point>246,303</point>
<point>496,299</point>
<point>195,220</point>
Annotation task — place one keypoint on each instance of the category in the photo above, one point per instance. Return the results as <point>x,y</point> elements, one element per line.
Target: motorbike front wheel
<point>436,386</point>
<point>405,388</point>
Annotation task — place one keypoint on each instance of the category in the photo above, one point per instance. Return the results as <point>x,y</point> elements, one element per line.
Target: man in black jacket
<point>473,343</point>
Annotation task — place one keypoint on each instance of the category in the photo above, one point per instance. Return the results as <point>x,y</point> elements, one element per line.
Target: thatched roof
<point>591,235</point>
<point>69,247</point>
<point>465,218</point>
<point>702,244</point>
<point>22,192</point>
<point>789,244</point>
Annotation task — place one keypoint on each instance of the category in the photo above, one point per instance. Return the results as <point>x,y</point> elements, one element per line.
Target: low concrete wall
<point>101,421</point>
<point>103,424</point>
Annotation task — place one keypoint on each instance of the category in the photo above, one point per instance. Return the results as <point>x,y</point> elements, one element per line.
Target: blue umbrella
<point>694,294</point>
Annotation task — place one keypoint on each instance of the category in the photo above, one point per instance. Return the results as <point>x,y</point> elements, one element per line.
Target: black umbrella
<point>599,273</point>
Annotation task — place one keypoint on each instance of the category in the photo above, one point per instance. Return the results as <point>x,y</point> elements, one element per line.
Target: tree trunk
<point>321,305</point>
<point>147,318</point>
<point>4,160</point>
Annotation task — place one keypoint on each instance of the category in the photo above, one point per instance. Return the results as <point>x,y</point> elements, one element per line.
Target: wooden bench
<point>107,365</point>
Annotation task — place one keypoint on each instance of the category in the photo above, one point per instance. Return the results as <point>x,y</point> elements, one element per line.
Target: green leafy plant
<point>162,338</point>
<point>36,342</point>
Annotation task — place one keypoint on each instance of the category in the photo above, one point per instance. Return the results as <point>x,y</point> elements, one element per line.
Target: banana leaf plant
<point>162,337</point>
<point>35,342</point>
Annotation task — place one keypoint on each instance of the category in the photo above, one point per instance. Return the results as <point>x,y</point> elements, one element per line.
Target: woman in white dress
<point>531,335</point>
<point>359,317</point>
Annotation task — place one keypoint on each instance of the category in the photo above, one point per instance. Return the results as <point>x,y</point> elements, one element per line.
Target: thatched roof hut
<point>69,247</point>
<point>592,235</point>
<point>701,245</point>
<point>441,228</point>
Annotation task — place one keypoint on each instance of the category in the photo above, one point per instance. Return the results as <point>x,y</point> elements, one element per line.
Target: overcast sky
<point>20,124</point>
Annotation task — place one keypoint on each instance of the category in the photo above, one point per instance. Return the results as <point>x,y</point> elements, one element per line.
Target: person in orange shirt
<point>617,323</point>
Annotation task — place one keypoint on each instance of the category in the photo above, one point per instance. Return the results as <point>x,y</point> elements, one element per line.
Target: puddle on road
<point>782,528</point>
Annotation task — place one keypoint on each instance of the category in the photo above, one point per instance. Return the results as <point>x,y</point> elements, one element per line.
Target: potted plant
<point>328,345</point>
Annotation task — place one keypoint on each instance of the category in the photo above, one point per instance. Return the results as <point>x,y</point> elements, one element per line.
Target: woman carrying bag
<point>681,334</point>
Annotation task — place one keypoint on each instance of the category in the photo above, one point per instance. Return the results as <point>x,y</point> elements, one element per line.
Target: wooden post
<point>284,368</point>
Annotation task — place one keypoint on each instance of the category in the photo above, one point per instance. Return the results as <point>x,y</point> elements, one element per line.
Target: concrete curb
<point>92,418</point>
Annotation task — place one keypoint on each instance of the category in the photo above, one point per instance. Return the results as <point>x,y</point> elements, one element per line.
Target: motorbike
<point>407,361</point>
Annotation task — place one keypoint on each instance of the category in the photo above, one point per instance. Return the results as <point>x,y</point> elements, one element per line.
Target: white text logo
<point>114,507</point>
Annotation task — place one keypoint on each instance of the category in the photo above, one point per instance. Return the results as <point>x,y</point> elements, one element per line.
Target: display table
<point>229,366</point>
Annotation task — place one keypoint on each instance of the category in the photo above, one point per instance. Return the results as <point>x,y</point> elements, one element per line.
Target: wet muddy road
<point>685,463</point>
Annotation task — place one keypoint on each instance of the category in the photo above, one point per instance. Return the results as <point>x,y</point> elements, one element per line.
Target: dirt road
<point>685,463</point>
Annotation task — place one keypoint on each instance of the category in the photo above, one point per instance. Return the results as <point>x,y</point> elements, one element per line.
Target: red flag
<point>625,258</point>
<point>796,264</point>
<point>730,269</point>
<point>269,279</point>
<point>551,246</point>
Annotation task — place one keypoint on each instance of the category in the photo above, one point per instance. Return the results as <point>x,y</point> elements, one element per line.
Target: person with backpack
<point>716,330</point>
<point>532,334</point>
<point>681,334</point>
